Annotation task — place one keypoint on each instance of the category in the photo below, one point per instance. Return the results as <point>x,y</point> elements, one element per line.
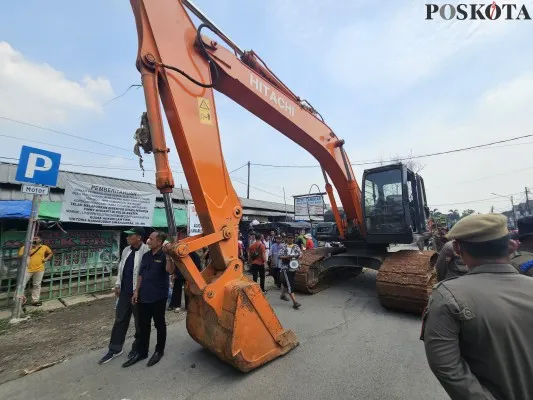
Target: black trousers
<point>122,322</point>
<point>259,270</point>
<point>147,312</point>
<point>275,272</point>
<point>177,290</point>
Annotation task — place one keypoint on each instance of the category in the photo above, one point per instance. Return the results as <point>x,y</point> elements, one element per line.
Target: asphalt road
<point>350,348</point>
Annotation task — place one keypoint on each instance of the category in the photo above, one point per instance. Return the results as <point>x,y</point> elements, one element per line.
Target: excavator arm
<point>179,69</point>
<point>185,67</point>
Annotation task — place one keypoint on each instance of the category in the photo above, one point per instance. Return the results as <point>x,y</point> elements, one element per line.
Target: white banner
<point>306,206</point>
<point>96,204</point>
<point>193,227</point>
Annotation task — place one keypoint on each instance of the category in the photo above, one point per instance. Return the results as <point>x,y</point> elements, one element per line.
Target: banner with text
<point>90,203</point>
<point>308,206</point>
<point>193,227</point>
<point>75,250</point>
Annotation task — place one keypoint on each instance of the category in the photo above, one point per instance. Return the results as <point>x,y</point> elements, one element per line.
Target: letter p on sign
<point>38,166</point>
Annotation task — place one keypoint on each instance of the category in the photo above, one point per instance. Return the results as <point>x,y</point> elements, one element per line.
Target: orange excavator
<point>228,314</point>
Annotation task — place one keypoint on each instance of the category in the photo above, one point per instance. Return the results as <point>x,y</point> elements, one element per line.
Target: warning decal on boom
<point>204,110</point>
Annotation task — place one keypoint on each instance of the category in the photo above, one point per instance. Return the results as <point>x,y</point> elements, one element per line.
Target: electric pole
<point>248,186</point>
<point>492,209</point>
<point>527,202</point>
<point>514,214</point>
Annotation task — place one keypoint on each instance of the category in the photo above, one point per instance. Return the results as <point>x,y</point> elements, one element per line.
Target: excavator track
<point>405,280</point>
<point>313,276</point>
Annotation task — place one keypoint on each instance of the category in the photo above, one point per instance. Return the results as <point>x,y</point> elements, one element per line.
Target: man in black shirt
<point>151,295</point>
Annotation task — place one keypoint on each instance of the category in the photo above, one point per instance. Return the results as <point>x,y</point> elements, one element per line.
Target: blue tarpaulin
<point>11,209</point>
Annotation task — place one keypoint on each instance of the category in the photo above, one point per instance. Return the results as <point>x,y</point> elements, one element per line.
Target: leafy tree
<point>467,212</point>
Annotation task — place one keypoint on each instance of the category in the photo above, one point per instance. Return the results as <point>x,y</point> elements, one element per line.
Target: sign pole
<point>17,306</point>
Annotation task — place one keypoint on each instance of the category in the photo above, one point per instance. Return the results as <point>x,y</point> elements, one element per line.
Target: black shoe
<point>136,358</point>
<point>155,358</point>
<point>131,353</point>
<point>37,304</point>
<point>296,305</point>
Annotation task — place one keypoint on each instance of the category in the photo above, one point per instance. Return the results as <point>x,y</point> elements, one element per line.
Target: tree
<point>453,216</point>
<point>467,212</point>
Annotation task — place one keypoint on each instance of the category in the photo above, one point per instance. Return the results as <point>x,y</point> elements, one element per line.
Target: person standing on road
<point>257,258</point>
<point>38,256</point>
<point>288,252</point>
<point>125,285</point>
<point>179,281</point>
<point>151,295</point>
<point>477,328</point>
<point>522,259</point>
<point>274,261</point>
<point>449,264</point>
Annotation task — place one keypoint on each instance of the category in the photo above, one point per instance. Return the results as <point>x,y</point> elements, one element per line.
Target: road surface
<point>350,348</point>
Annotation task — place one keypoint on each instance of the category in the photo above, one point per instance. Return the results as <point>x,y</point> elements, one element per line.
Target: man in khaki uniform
<point>522,260</point>
<point>477,328</point>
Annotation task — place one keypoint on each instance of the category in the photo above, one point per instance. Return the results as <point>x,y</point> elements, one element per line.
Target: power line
<point>475,201</point>
<point>95,166</point>
<point>63,133</point>
<point>68,148</point>
<point>256,188</point>
<point>235,170</point>
<point>368,162</point>
<point>80,150</point>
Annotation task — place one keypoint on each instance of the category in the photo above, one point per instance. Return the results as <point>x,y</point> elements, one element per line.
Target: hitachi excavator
<point>228,313</point>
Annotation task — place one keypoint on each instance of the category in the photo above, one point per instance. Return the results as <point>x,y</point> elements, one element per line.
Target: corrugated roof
<point>10,189</point>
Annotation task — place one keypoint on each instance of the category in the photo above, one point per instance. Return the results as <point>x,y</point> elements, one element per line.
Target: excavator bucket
<point>242,329</point>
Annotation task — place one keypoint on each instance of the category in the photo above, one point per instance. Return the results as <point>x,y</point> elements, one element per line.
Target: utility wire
<point>256,188</point>
<point>235,170</point>
<point>80,150</point>
<point>63,133</point>
<point>95,166</point>
<point>475,201</point>
<point>368,162</point>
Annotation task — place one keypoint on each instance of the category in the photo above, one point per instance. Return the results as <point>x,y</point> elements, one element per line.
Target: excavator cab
<point>395,206</point>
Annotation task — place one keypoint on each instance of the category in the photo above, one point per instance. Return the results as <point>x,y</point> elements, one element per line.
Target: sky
<point>387,81</point>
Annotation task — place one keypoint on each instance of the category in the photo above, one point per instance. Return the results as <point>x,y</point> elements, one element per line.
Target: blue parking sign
<point>38,166</point>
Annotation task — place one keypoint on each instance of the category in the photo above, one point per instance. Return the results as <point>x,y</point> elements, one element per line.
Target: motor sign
<point>32,189</point>
<point>38,166</point>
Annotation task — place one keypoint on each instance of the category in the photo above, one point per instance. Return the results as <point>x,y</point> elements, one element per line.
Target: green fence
<point>83,262</point>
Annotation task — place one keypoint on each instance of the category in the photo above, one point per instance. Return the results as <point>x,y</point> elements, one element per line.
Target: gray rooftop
<point>10,189</point>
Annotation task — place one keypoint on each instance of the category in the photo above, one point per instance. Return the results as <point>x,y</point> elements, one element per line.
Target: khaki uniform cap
<point>479,228</point>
